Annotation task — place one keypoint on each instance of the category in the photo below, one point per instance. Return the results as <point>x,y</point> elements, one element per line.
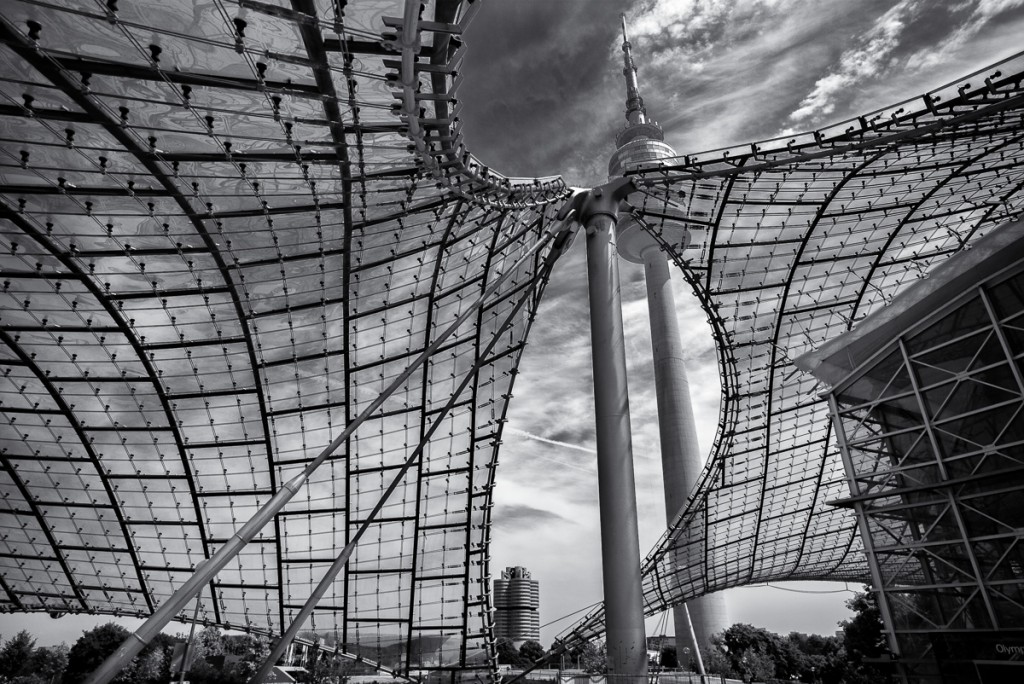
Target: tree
<point>206,659</point>
<point>341,669</point>
<point>754,653</point>
<point>49,662</point>
<point>155,660</point>
<point>756,665</point>
<point>15,654</point>
<point>716,660</point>
<point>218,658</point>
<point>819,658</point>
<point>254,650</point>
<point>93,647</point>
<point>594,658</point>
<point>864,638</point>
<point>566,657</point>
<point>531,652</point>
<point>208,642</point>
<point>507,653</point>
<point>763,647</point>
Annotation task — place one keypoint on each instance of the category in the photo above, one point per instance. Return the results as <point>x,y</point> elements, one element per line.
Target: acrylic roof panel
<point>794,241</point>
<point>219,245</point>
<point>226,227</point>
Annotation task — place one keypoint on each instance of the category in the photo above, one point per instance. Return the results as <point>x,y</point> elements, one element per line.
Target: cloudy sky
<point>543,94</point>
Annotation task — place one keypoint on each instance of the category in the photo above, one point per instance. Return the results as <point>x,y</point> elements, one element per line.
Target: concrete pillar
<point>680,453</point>
<point>620,544</point>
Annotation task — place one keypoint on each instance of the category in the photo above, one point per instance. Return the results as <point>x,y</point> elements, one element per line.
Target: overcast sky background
<point>544,94</point>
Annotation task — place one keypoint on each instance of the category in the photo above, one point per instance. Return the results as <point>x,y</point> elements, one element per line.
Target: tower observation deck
<point>642,142</point>
<point>261,307</point>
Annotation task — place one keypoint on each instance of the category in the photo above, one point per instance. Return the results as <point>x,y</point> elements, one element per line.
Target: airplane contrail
<point>530,435</point>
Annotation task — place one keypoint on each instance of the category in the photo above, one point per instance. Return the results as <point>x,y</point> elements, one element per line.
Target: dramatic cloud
<point>544,92</point>
<point>864,61</point>
<point>981,14</point>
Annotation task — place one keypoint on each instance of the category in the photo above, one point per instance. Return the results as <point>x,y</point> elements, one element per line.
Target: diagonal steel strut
<point>342,560</point>
<point>135,642</point>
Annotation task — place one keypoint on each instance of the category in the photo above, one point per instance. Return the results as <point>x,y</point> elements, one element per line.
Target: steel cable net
<point>794,241</point>
<point>219,246</point>
<point>226,226</point>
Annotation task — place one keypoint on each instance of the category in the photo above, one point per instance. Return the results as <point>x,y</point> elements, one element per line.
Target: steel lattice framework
<point>226,226</point>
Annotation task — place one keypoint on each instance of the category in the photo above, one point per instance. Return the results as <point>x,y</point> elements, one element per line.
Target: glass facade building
<point>931,432</point>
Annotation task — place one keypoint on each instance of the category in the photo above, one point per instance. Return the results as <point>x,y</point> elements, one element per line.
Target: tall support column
<point>620,542</point>
<point>681,460</point>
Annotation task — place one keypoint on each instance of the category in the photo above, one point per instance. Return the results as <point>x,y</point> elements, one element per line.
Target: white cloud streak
<point>982,14</point>
<point>555,442</point>
<point>867,60</point>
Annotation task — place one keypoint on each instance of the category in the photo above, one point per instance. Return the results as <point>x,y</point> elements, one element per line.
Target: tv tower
<point>642,141</point>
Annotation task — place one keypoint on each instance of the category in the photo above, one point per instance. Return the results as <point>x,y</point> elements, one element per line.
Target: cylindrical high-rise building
<point>517,606</point>
<point>642,143</point>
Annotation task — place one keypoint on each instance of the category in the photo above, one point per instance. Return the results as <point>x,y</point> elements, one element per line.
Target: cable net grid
<point>793,242</point>
<point>221,249</point>
<point>218,250</point>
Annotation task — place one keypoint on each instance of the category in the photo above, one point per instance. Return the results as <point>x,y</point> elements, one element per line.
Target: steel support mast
<point>681,460</point>
<point>626,638</point>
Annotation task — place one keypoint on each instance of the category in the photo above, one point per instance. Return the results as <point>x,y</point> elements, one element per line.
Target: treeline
<point>755,654</point>
<point>848,657</point>
<point>22,662</point>
<point>741,652</point>
<point>214,658</point>
<point>752,653</point>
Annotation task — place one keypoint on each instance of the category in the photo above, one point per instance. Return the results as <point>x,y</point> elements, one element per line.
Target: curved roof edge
<point>724,161</point>
<point>837,358</point>
<point>445,157</point>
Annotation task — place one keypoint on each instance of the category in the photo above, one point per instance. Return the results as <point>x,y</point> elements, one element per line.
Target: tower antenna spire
<point>636,113</point>
<point>641,140</point>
